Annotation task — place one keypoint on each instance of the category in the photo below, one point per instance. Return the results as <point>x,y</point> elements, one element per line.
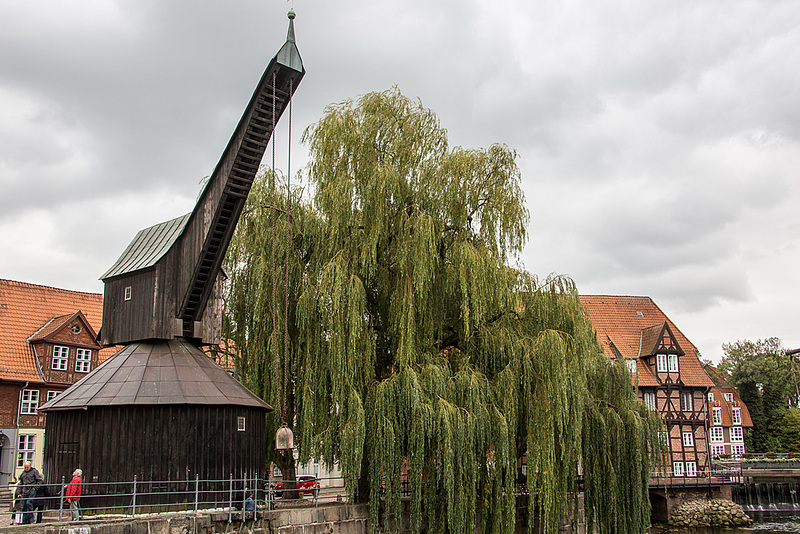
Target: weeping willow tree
<point>400,338</point>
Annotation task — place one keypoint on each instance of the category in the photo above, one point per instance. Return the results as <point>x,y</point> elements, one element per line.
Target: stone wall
<point>328,519</point>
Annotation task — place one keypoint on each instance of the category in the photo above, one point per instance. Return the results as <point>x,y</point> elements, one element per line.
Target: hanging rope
<point>274,274</point>
<point>288,239</point>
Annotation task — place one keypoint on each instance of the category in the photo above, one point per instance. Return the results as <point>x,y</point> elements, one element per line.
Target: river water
<point>763,522</point>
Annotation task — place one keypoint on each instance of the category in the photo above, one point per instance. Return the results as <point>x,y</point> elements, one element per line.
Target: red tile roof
<point>727,407</point>
<point>29,309</point>
<point>622,322</point>
<point>51,326</point>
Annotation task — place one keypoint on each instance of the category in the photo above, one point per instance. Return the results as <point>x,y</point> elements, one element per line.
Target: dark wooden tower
<point>160,409</point>
<point>166,284</point>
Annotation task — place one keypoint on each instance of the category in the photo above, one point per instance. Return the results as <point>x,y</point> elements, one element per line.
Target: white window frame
<point>241,423</point>
<point>128,293</point>
<point>737,434</point>
<point>83,360</point>
<point>26,452</point>
<point>661,363</point>
<point>691,469</point>
<point>677,469</point>
<point>687,401</point>
<point>649,398</point>
<point>52,394</point>
<point>716,434</point>
<point>728,397</point>
<point>630,363</point>
<point>688,439</point>
<point>60,358</point>
<point>737,450</point>
<point>717,450</point>
<point>29,404</point>
<point>716,416</point>
<point>672,363</point>
<point>736,416</point>
<point>710,397</point>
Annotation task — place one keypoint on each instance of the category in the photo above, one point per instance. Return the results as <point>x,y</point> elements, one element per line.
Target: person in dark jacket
<point>40,502</point>
<point>30,480</point>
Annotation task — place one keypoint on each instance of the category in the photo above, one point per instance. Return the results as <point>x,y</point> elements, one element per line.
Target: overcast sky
<point>659,141</point>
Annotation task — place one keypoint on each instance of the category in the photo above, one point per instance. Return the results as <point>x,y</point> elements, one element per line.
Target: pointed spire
<point>288,55</point>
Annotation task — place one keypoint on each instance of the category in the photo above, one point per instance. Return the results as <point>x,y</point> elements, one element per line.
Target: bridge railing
<point>724,476</point>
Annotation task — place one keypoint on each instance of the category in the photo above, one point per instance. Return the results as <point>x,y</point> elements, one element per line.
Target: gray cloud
<point>658,141</point>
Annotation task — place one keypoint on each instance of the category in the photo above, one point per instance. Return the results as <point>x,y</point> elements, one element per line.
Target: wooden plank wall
<point>155,443</point>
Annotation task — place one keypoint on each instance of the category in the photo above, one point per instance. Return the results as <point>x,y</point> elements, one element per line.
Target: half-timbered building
<point>47,343</point>
<point>666,367</point>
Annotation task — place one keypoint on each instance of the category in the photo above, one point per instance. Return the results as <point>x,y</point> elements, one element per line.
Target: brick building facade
<point>47,343</point>
<point>666,367</point>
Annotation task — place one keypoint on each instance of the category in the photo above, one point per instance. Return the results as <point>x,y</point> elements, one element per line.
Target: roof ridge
<point>31,284</point>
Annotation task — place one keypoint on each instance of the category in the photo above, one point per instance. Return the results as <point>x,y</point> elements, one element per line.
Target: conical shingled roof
<point>156,373</point>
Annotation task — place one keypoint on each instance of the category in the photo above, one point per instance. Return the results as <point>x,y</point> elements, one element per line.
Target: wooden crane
<point>170,411</point>
<point>166,283</point>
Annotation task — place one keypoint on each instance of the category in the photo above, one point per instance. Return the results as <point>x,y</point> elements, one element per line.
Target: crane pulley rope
<point>283,437</point>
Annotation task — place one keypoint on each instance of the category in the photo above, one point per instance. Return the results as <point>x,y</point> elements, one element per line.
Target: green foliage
<point>791,430</point>
<point>620,445</point>
<point>762,373</point>
<point>413,342</point>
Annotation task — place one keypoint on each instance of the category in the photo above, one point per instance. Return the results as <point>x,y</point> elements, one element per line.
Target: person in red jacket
<point>73,494</point>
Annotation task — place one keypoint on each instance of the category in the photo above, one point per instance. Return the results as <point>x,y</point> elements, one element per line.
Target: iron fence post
<point>133,508</point>
<point>61,500</point>
<point>230,499</point>
<point>244,496</point>
<point>196,491</point>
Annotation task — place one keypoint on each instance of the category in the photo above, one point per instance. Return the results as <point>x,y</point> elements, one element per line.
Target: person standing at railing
<point>73,494</point>
<point>29,480</point>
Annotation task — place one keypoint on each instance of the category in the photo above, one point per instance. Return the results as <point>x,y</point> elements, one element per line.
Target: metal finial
<point>291,14</point>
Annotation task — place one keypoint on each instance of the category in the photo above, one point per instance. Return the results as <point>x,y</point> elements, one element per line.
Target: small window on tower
<point>127,292</point>
<point>240,424</point>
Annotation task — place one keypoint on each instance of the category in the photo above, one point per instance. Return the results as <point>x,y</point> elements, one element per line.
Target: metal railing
<point>241,498</point>
<point>726,476</point>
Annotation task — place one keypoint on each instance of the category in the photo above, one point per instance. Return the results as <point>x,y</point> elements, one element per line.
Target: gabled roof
<point>27,310</point>
<point>56,324</point>
<point>148,247</point>
<point>156,373</point>
<point>629,322</point>
<point>659,339</point>
<point>51,326</point>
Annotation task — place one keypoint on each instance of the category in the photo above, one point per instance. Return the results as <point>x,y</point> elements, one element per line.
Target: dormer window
<point>728,397</point>
<point>736,416</point>
<point>716,414</point>
<point>673,363</point>
<point>661,363</point>
<point>60,358</point>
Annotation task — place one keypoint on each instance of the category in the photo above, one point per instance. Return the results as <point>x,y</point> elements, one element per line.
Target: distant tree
<point>791,430</point>
<point>406,335</point>
<point>762,373</point>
